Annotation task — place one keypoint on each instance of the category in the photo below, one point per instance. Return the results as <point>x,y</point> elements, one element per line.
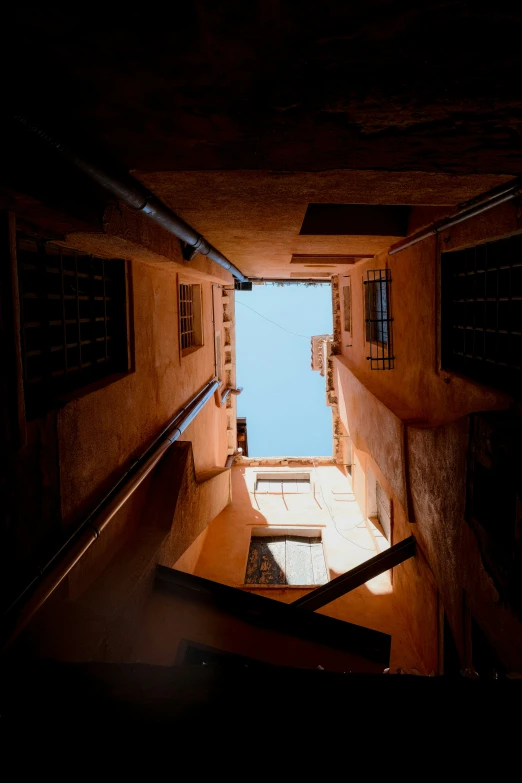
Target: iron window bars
<point>73,319</point>
<point>186,315</point>
<point>379,333</point>
<point>481,313</point>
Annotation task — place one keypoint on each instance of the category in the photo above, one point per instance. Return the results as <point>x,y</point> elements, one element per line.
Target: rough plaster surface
<point>416,389</point>
<point>254,217</point>
<point>431,406</point>
<point>449,543</point>
<point>97,614</point>
<point>347,542</point>
<point>373,427</point>
<point>101,432</point>
<point>429,87</point>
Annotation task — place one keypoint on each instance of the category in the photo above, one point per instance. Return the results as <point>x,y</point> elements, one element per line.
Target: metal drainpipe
<point>479,205</point>
<point>55,571</point>
<point>228,392</point>
<point>136,196</point>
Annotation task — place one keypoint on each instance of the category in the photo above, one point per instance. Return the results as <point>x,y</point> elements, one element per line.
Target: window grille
<point>73,309</point>
<point>481,313</point>
<point>186,316</point>
<point>379,334</point>
<point>190,325</point>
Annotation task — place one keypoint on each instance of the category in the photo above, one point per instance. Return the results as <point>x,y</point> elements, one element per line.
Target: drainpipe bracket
<point>189,252</point>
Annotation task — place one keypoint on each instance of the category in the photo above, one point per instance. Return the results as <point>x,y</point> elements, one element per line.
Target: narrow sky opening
<point>283,400</point>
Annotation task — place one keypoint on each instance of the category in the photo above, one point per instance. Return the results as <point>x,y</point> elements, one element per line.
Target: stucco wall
<point>414,587</point>
<point>412,425</point>
<point>416,389</point>
<point>348,540</point>
<point>101,432</point>
<point>450,544</point>
<point>97,612</point>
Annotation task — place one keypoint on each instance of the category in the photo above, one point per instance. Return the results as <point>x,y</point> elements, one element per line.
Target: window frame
<point>347,322</point>
<point>51,396</point>
<point>479,369</point>
<point>197,317</point>
<point>384,357</point>
<point>257,534</point>
<point>282,479</point>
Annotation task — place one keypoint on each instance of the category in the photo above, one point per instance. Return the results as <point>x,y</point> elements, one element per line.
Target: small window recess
<point>378,320</point>
<point>190,317</point>
<point>73,320</point>
<point>276,484</point>
<point>347,309</point>
<point>481,313</point>
<point>286,557</point>
<point>378,505</point>
<point>219,357</point>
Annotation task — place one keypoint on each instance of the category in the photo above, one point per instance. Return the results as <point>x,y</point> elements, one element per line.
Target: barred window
<point>190,317</point>
<point>73,309</point>
<point>378,319</point>
<point>481,313</point>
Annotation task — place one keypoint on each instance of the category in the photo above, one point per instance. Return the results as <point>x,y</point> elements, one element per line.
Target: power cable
<point>306,337</point>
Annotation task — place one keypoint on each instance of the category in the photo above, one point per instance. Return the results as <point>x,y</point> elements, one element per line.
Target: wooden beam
<point>357,576</point>
<point>276,615</point>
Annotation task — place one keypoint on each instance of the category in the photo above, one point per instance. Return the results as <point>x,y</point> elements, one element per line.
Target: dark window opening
<point>347,305</point>
<point>73,312</point>
<point>378,319</point>
<point>451,658</point>
<point>195,654</point>
<point>285,560</point>
<point>356,220</point>
<point>242,435</point>
<point>481,313</point>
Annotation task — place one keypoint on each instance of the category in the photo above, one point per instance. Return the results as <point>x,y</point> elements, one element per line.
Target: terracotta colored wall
<point>373,427</point>
<point>439,498</point>
<point>99,433</point>
<point>414,586</point>
<point>255,217</point>
<point>97,612</point>
<point>430,490</point>
<point>347,540</point>
<point>413,429</point>
<point>416,389</point>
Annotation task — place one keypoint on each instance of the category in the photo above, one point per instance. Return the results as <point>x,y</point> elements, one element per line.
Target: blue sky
<point>283,399</point>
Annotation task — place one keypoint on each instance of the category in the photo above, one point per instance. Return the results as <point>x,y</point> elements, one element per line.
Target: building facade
<point>147,179</point>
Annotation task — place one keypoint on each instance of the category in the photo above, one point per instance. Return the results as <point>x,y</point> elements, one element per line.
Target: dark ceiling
<point>428,86</point>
